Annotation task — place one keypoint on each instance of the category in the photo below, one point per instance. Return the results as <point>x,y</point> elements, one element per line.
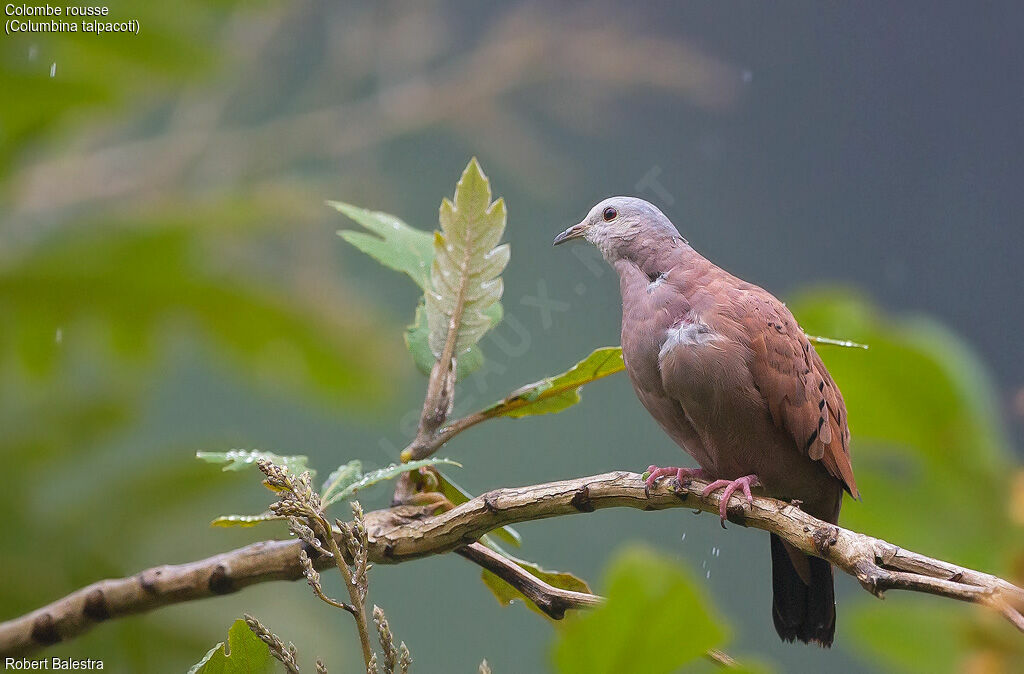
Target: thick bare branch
<point>407,532</point>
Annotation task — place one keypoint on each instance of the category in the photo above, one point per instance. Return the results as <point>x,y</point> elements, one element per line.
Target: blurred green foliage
<point>97,75</point>
<point>655,620</point>
<point>934,466</point>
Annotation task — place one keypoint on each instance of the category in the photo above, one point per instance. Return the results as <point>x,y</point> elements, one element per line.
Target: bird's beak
<point>574,232</point>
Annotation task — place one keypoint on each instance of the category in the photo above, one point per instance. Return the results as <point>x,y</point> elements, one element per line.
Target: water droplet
<point>683,537</point>
<point>33,51</point>
<point>53,69</point>
<point>60,336</point>
<point>708,574</point>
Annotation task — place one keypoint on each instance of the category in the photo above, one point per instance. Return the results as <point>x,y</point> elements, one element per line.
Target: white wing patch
<point>687,334</point>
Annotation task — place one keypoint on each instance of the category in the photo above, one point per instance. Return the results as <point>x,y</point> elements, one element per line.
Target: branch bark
<point>404,533</point>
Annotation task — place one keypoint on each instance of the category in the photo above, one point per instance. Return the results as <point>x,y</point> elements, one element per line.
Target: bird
<point>729,375</point>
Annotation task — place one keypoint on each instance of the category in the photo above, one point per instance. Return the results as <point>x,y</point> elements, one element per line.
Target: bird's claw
<point>682,475</point>
<point>744,483</point>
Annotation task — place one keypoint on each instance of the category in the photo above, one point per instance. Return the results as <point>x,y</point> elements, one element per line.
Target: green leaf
<point>465,278</point>
<point>456,495</point>
<point>386,473</point>
<point>555,394</point>
<point>245,520</point>
<point>243,654</point>
<point>417,340</point>
<point>506,594</point>
<point>396,244</point>
<point>341,477</point>
<point>411,251</point>
<point>655,621</point>
<point>240,459</point>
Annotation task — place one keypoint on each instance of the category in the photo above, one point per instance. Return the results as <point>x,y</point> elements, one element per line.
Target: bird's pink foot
<point>744,483</point>
<point>682,475</point>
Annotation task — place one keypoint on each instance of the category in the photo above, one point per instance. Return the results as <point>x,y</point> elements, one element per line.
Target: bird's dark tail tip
<point>800,610</point>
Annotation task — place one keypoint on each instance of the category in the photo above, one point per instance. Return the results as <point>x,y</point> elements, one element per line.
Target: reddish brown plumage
<point>726,371</point>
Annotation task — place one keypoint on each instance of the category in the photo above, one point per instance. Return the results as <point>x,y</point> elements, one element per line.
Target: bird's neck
<point>645,264</point>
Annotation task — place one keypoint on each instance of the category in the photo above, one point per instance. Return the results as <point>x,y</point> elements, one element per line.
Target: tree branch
<point>553,601</point>
<point>407,532</point>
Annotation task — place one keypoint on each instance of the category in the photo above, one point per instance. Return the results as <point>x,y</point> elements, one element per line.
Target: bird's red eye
<point>610,213</point>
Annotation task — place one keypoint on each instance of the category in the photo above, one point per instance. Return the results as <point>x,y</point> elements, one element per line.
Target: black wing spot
<point>810,440</point>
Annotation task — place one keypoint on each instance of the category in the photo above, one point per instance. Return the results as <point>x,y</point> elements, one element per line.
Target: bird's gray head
<point>618,226</point>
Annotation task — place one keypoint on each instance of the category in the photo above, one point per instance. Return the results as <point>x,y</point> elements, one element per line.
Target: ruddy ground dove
<point>725,370</point>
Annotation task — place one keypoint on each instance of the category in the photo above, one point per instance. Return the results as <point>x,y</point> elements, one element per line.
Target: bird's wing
<point>801,395</point>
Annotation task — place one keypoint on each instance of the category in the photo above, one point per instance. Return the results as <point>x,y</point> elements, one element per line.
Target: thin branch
<point>553,601</point>
<point>407,532</point>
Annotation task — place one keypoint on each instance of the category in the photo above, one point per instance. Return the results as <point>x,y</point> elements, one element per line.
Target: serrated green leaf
<point>341,477</point>
<point>411,251</point>
<point>639,628</point>
<point>245,653</point>
<point>245,520</point>
<point>417,338</point>
<point>396,244</point>
<point>555,394</point>
<point>386,473</point>
<point>465,276</point>
<point>456,495</point>
<point>240,459</point>
<point>506,594</point>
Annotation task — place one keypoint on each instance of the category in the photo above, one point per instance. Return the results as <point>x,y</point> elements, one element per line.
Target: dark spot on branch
<point>147,580</point>
<point>735,514</point>
<point>96,606</point>
<point>581,500</point>
<point>489,504</point>
<point>957,577</point>
<point>220,582</point>
<point>44,630</point>
<point>824,538</point>
<point>389,551</point>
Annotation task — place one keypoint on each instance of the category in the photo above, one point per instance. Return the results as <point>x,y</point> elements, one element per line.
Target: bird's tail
<point>803,606</point>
